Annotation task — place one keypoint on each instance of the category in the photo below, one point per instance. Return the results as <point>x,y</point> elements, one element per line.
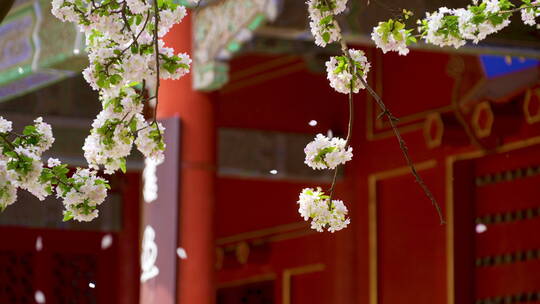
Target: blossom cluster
<point>343,75</point>
<point>454,27</point>
<point>127,58</point>
<point>315,205</point>
<point>324,153</point>
<point>530,10</point>
<point>327,153</point>
<point>21,167</point>
<point>83,192</point>
<point>392,36</point>
<point>343,72</point>
<point>322,24</point>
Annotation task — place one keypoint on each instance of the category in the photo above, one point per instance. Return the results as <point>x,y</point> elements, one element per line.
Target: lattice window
<point>16,277</point>
<point>72,274</point>
<point>507,218</point>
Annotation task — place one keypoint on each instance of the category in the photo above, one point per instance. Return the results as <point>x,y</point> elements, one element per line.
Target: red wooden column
<point>197,176</point>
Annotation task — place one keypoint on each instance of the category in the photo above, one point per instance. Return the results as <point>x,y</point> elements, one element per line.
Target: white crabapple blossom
<point>29,170</point>
<point>21,167</point>
<point>121,40</point>
<point>53,162</point>
<point>391,36</point>
<point>46,138</point>
<point>342,75</point>
<point>81,200</point>
<point>314,204</point>
<point>110,140</point>
<point>321,14</point>
<point>452,27</point>
<point>8,191</point>
<point>170,17</point>
<point>5,125</point>
<point>138,6</point>
<point>150,142</point>
<point>323,36</point>
<point>478,21</point>
<point>64,10</point>
<point>530,11</point>
<point>441,28</point>
<point>327,153</point>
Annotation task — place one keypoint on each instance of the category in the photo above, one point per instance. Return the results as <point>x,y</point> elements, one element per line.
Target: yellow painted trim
<point>260,233</point>
<point>251,81</point>
<point>482,131</point>
<point>433,119</point>
<point>531,119</point>
<point>253,279</point>
<point>263,67</point>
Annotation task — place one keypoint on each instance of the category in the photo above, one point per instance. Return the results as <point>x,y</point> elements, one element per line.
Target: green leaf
<point>411,40</point>
<point>123,165</point>
<point>398,26</point>
<point>138,19</point>
<point>67,216</point>
<point>326,20</point>
<point>11,154</point>
<point>28,130</point>
<point>326,37</point>
<point>115,79</point>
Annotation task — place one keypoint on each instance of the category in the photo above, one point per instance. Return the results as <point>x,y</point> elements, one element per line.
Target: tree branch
<point>392,120</point>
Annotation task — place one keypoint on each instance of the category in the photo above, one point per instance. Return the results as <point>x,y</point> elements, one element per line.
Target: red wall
<point>279,93</point>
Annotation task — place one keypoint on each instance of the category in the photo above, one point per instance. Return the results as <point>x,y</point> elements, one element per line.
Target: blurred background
<point>224,227</point>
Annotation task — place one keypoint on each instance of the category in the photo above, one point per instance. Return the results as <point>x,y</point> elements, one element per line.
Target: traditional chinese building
<point>236,129</point>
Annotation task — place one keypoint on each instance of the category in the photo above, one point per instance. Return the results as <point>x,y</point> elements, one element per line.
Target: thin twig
<point>156,47</point>
<point>4,138</point>
<point>349,132</point>
<point>126,24</point>
<point>119,56</point>
<point>517,9</point>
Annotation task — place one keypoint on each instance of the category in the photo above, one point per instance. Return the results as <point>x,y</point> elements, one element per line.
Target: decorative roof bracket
<point>219,31</point>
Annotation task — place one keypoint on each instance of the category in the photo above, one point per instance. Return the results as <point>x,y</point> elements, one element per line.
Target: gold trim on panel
<point>260,233</point>
<point>288,273</point>
<point>402,123</point>
<point>403,130</point>
<point>482,131</point>
<point>433,120</point>
<point>263,67</point>
<point>531,118</point>
<point>450,160</point>
<point>253,279</point>
<point>372,219</point>
<point>251,81</point>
